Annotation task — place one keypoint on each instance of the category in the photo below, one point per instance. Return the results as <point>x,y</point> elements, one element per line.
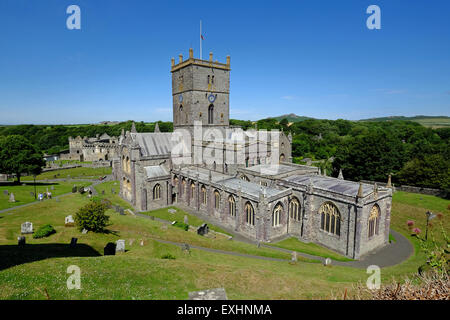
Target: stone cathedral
<point>260,195</point>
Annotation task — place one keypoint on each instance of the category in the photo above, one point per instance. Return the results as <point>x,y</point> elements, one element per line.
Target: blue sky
<point>313,58</point>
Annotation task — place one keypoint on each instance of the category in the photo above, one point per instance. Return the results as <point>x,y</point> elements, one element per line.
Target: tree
<point>18,156</point>
<point>92,217</point>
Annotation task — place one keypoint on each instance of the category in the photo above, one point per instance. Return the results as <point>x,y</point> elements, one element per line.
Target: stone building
<point>99,148</point>
<point>249,184</point>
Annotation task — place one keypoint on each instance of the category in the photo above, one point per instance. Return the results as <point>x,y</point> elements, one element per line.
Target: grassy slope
<point>72,173</point>
<point>140,273</point>
<point>22,193</point>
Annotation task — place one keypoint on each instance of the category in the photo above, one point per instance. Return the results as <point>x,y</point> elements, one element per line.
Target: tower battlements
<point>199,62</point>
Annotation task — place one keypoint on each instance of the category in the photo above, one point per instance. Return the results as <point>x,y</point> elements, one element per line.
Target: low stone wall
<point>428,191</point>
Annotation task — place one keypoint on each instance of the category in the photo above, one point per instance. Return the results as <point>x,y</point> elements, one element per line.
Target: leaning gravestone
<point>327,262</point>
<point>69,222</point>
<point>12,198</point>
<point>27,227</point>
<point>110,249</point>
<point>120,246</point>
<point>203,229</point>
<point>211,294</point>
<point>73,242</point>
<point>186,221</point>
<point>172,211</point>
<point>21,241</point>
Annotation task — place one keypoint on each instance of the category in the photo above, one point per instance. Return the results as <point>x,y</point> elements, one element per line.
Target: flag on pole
<point>201,36</point>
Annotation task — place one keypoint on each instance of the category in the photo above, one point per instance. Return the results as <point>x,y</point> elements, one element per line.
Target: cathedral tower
<point>200,92</point>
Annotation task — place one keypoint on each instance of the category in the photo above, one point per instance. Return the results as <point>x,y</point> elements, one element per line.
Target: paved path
<point>391,254</point>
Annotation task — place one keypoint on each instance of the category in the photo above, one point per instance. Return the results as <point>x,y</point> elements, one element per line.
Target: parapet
<point>199,62</point>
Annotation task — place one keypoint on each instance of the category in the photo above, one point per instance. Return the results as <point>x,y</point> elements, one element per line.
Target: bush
<point>44,231</point>
<point>181,225</point>
<point>168,256</point>
<point>92,217</point>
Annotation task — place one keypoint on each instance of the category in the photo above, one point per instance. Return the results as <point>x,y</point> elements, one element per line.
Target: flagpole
<point>200,39</point>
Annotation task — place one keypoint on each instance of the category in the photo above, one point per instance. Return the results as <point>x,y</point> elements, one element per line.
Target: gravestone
<point>103,192</point>
<point>21,241</point>
<point>84,231</point>
<point>258,245</point>
<point>52,188</point>
<point>186,221</point>
<point>5,192</point>
<point>203,229</point>
<point>69,222</point>
<point>327,262</point>
<point>27,227</point>
<point>131,242</point>
<point>211,294</point>
<point>121,211</point>
<point>120,245</point>
<point>172,211</point>
<point>12,198</point>
<point>113,191</point>
<point>32,193</point>
<point>185,248</point>
<point>142,243</point>
<point>73,242</point>
<point>110,249</point>
<point>294,256</point>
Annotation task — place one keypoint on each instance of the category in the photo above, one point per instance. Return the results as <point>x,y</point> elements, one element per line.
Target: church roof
<point>276,169</point>
<point>250,188</point>
<point>203,174</point>
<point>154,144</point>
<point>156,171</point>
<point>344,187</point>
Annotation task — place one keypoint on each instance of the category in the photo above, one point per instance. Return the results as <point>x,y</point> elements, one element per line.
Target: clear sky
<point>313,58</point>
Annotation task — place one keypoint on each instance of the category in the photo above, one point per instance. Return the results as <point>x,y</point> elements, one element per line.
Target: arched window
<point>175,181</point>
<point>183,187</point>
<point>231,206</point>
<point>246,162</point>
<point>212,79</point>
<point>157,192</point>
<point>249,214</point>
<point>294,209</point>
<point>214,166</point>
<point>374,220</point>
<point>209,77</point>
<point>330,218</point>
<point>282,157</point>
<point>276,215</point>
<point>192,190</point>
<point>211,114</point>
<point>203,195</point>
<point>216,200</point>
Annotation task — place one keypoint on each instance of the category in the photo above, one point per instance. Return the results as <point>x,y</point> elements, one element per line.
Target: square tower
<point>200,92</point>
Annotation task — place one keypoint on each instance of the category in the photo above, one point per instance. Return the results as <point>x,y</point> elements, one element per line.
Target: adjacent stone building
<point>99,148</point>
<point>243,181</point>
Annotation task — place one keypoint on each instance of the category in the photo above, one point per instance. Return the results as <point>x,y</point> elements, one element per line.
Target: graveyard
<point>159,260</point>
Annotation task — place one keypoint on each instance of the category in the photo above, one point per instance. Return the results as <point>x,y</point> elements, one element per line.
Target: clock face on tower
<point>211,98</point>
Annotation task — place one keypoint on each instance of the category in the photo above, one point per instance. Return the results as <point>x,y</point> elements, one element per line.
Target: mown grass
<point>22,194</point>
<point>72,173</point>
<point>310,248</point>
<point>108,187</point>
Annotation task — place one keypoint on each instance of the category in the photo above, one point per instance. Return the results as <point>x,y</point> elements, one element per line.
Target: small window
<point>157,192</point>
<point>249,214</point>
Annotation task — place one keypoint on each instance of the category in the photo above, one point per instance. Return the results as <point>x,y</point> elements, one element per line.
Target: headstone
<point>52,188</point>
<point>258,244</point>
<point>172,211</point>
<point>32,193</point>
<point>186,221</point>
<point>294,256</point>
<point>131,242</point>
<point>211,294</point>
<point>120,245</point>
<point>327,262</point>
<point>69,222</point>
<point>113,191</point>
<point>142,243</point>
<point>103,192</point>
<point>173,222</point>
<point>203,229</point>
<point>84,231</point>
<point>5,192</point>
<point>110,249</point>
<point>73,242</point>
<point>27,227</point>
<point>121,211</point>
<point>185,247</point>
<point>12,198</point>
<point>21,241</point>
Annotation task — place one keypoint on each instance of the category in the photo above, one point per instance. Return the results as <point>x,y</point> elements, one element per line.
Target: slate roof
<point>344,187</point>
<point>156,171</point>
<point>154,144</point>
<point>275,169</point>
<point>203,174</point>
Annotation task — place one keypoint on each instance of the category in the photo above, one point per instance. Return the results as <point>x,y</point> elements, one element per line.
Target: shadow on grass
<point>28,183</point>
<point>13,255</point>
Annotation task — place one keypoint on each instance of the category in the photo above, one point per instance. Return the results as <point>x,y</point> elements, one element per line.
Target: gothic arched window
<point>211,114</point>
<point>294,209</point>
<point>374,220</point>
<point>157,192</point>
<point>249,214</point>
<point>203,195</point>
<point>330,218</point>
<point>216,200</point>
<point>276,215</point>
<point>192,190</point>
<point>231,206</point>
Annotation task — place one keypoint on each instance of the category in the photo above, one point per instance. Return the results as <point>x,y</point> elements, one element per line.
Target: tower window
<point>209,78</point>
<point>210,114</point>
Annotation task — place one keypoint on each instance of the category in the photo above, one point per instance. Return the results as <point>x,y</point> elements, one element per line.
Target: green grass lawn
<point>309,248</point>
<point>72,173</point>
<point>114,198</point>
<point>23,195</point>
<point>142,273</point>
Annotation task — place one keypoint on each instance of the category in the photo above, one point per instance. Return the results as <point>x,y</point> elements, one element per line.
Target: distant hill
<point>426,121</point>
<point>291,117</point>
